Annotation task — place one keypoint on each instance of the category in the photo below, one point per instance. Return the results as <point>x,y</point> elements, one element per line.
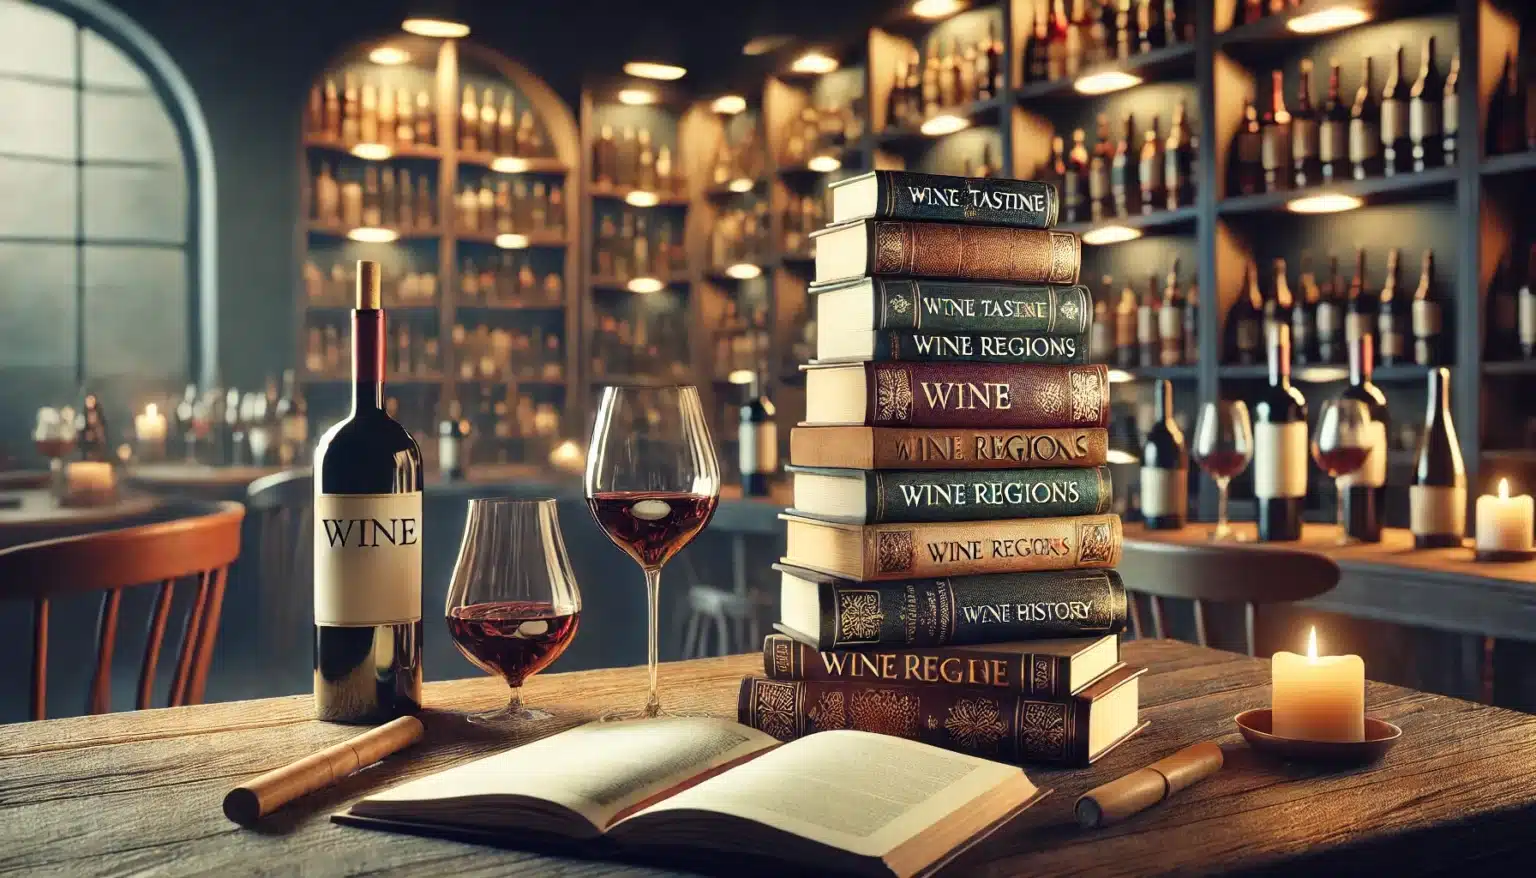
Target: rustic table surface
<point>141,792</point>
<point>33,514</point>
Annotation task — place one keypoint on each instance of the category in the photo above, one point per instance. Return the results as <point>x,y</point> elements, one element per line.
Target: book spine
<point>981,722</point>
<point>1037,676</point>
<point>896,448</point>
<point>914,551</point>
<point>943,347</point>
<point>947,250</point>
<point>960,306</point>
<point>1019,203</point>
<point>986,395</point>
<point>968,610</point>
<point>971,495</point>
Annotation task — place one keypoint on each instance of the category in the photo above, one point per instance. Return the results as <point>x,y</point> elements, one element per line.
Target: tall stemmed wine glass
<point>1340,445</point>
<point>1223,446</point>
<point>513,605</point>
<point>652,483</point>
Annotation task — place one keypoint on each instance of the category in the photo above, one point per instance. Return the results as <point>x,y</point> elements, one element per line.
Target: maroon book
<point>993,395</point>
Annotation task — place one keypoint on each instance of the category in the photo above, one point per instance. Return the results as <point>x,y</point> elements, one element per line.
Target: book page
<point>595,770</point>
<point>857,791</point>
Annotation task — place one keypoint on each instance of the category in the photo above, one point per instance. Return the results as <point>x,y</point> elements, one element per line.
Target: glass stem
<point>652,610</point>
<point>1221,506</point>
<point>1338,489</point>
<point>515,703</point>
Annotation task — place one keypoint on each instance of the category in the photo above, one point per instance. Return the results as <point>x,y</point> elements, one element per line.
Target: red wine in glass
<point>1341,460</point>
<point>1223,464</point>
<point>515,639</point>
<point>651,525</point>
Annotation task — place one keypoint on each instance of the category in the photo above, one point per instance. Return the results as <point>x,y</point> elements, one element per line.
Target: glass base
<point>1227,535</point>
<point>632,714</point>
<point>509,716</point>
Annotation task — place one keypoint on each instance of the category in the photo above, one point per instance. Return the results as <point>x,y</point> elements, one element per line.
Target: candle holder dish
<point>1255,726</point>
<point>1502,556</point>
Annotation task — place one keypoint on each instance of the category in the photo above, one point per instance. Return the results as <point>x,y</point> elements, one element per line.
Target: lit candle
<point>90,481</point>
<point>1318,698</point>
<point>1504,522</point>
<point>150,426</point>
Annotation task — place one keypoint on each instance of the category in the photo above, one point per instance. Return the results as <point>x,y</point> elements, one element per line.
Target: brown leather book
<point>1076,730</point>
<point>957,395</point>
<point>953,448</point>
<point>946,250</point>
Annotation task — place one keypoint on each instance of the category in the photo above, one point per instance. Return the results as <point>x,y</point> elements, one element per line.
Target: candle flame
<point>151,410</point>
<point>1312,645</point>
<point>1503,489</point>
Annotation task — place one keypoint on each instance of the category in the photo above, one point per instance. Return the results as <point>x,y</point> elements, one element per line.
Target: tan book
<point>847,447</point>
<point>701,788</point>
<point>905,551</point>
<point>946,250</point>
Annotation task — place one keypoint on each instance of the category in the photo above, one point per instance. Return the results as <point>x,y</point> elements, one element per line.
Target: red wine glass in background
<point>1223,446</point>
<point>513,605</point>
<point>652,482</point>
<point>1340,444</point>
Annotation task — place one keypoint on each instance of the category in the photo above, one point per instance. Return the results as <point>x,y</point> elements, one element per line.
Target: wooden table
<point>197,479</point>
<point>40,517</point>
<point>141,792</point>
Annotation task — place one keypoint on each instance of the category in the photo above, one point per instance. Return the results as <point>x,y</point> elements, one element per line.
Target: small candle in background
<point>568,457</point>
<point>149,432</point>
<point>1318,698</point>
<point>90,482</point>
<point>1504,523</point>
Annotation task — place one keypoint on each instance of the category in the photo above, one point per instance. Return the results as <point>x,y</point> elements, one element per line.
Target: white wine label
<point>1303,138</point>
<point>1426,318</point>
<point>1280,460</point>
<point>1101,342</point>
<point>1373,474</point>
<point>1333,142</point>
<point>1355,325</point>
<point>1437,510</point>
<point>759,448</point>
<point>1327,319</point>
<point>1527,319</point>
<point>1164,492</point>
<point>1449,115</point>
<point>1391,121</point>
<point>1364,140</point>
<point>367,559</point>
<point>1277,149</point>
<point>1423,120</point>
<point>447,453</point>
<point>1146,325</point>
<point>1301,328</point>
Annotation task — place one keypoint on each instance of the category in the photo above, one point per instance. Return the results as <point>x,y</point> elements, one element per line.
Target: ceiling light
<point>763,45</point>
<point>741,184</point>
<point>372,235</point>
<point>509,164</point>
<point>946,123</point>
<point>814,61</point>
<point>1324,20</point>
<point>1325,203</point>
<point>438,28</point>
<point>655,70</point>
<point>509,241</point>
<point>1105,82</point>
<point>645,285</point>
<point>373,152</point>
<point>741,376</point>
<point>729,105</point>
<point>1111,235</point>
<point>389,56</point>
<point>637,97</point>
<point>932,9</point>
<point>743,271</point>
<point>1120,376</point>
<point>641,198</point>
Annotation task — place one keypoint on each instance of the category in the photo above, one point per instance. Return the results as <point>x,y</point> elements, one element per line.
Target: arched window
<point>105,220</point>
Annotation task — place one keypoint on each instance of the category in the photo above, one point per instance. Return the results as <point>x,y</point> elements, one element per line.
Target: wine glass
<point>1223,446</point>
<point>54,438</point>
<point>513,605</point>
<point>1340,445</point>
<point>652,483</point>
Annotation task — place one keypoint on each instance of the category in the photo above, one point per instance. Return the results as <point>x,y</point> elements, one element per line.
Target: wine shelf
<point>984,112</point>
<point>1509,367</point>
<point>1429,183</point>
<point>341,231</point>
<point>534,239</point>
<point>1168,64</point>
<point>1513,163</point>
<point>1274,30</point>
<point>547,165</point>
<point>624,193</point>
<point>1153,373</point>
<point>617,285</point>
<point>1178,220</point>
<point>1326,373</point>
<point>396,151</point>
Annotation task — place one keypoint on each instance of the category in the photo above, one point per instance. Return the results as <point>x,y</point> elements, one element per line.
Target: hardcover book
<point>1038,669</point>
<point>871,497</point>
<point>957,395</point>
<point>706,792</point>
<point>884,346</point>
<point>946,250</point>
<point>912,195</point>
<point>1075,730</point>
<point>830,612</point>
<point>952,306</point>
<point>946,449</point>
<point>872,552</point>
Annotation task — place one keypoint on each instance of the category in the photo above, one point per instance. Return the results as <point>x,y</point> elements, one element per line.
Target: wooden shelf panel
<point>349,304</point>
<point>398,151</point>
<point>1512,163</point>
<point>507,306</point>
<point>389,379</point>
<point>533,164</point>
<point>1431,183</point>
<point>1272,30</point>
<point>1509,367</point>
<point>1167,64</point>
<point>725,191</point>
<point>504,380</point>
<point>618,193</point>
<point>1324,373</point>
<point>1179,220</point>
<point>637,380</point>
<point>535,239</point>
<point>1151,373</point>
<point>340,231</point>
<point>980,113</point>
<point>617,285</point>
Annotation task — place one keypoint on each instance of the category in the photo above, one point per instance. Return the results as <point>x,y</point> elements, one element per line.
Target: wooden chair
<point>282,505</point>
<point>198,548</point>
<point>1216,573</point>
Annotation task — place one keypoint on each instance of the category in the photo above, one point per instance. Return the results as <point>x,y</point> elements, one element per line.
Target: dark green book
<point>887,346</point>
<point>851,496</point>
<point>911,195</point>
<point>952,306</point>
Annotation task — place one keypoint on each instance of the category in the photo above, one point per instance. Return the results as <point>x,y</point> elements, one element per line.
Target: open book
<point>840,801</point>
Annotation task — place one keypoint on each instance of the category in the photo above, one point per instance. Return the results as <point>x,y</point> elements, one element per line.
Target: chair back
<point>196,550</point>
<point>1245,574</point>
<point>282,505</point>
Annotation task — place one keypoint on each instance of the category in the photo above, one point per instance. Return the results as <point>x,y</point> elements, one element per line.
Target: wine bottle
<point>1305,162</point>
<point>1437,499</point>
<point>1036,53</point>
<point>1100,193</point>
<point>1126,314</point>
<point>1124,176</point>
<point>1075,191</point>
<point>1365,129</point>
<point>1154,192</point>
<point>452,431</point>
<point>1275,150</point>
<point>1101,335</point>
<point>1279,307</point>
<point>1170,321</point>
<point>1397,145</point>
<point>1180,159</point>
<point>1246,316</point>
<point>1390,320</point>
<point>1358,316</point>
<point>1330,315</point>
<point>1426,113</point>
<point>1056,48</point>
<point>1192,324</point>
<point>1526,307</point>
<point>367,542</point>
<point>1147,341</point>
<point>1365,490</point>
<point>1502,340</point>
<point>757,444</point>
<point>1075,39</point>
<point>1280,445</point>
<point>1507,110</point>
<point>1249,148</point>
<point>469,122</point>
<point>1333,131</point>
<point>1450,110</point>
<point>1164,466</point>
<point>1427,316</point>
<point>1304,317</point>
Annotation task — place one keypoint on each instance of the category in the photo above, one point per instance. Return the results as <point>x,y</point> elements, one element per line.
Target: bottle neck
<point>1162,401</point>
<point>1360,355</point>
<point>367,359</point>
<point>1280,354</point>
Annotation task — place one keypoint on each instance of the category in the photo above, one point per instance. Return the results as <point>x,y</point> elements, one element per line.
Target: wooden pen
<point>1141,789</point>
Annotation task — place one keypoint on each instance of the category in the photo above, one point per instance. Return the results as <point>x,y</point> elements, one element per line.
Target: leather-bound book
<point>832,612</point>
<point>952,306</point>
<point>946,449</point>
<point>946,250</point>
<point>1028,204</point>
<point>894,346</point>
<point>957,395</point>
<point>1075,730</point>
<point>871,497</point>
<point>910,551</point>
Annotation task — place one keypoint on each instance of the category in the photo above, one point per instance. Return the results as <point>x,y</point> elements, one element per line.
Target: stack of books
<point>948,575</point>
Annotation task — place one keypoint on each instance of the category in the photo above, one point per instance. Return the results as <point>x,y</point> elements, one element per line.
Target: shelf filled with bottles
<point>371,151</point>
<point>1092,48</point>
<point>1399,188</point>
<point>1258,24</point>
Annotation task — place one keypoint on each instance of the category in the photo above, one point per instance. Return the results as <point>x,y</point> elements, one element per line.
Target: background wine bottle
<point>1275,146</point>
<point>1333,131</point>
<point>1148,344</point>
<point>1427,335</point>
<point>1525,308</point>
<point>1330,315</point>
<point>367,542</point>
<point>1164,465</point>
<point>1304,348</point>
<point>1365,129</point>
<point>1397,146</point>
<point>451,434</point>
<point>1305,131</point>
<point>1245,318</point>
<point>1248,145</point>
<point>1280,445</point>
<point>1425,113</point>
<point>757,444</point>
<point>1170,321</point>
<point>1437,499</point>
<point>1365,490</point>
<point>1390,317</point>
